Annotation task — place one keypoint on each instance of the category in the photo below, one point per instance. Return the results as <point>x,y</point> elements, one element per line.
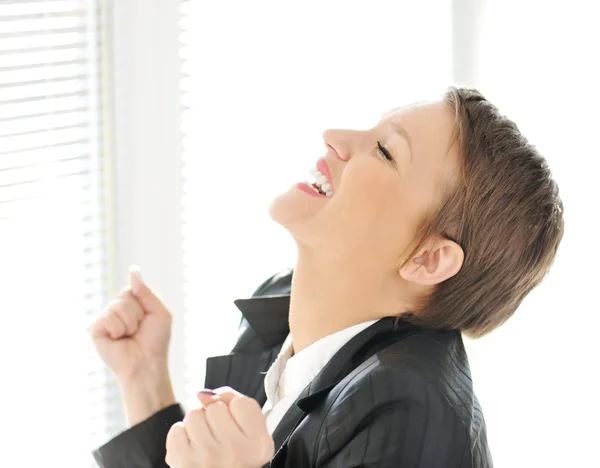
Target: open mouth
<point>322,183</point>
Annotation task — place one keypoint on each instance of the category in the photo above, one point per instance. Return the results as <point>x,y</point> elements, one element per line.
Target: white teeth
<point>321,181</point>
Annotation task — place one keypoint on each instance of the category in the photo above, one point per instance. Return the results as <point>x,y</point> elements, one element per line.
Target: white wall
<point>148,149</point>
<point>536,375</point>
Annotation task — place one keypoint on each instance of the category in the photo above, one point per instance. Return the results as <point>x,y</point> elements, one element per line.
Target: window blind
<point>56,233</point>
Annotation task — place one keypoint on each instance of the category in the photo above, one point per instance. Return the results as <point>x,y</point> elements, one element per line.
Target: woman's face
<point>376,204</point>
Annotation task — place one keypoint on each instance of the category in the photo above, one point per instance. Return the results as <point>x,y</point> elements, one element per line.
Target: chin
<point>294,211</point>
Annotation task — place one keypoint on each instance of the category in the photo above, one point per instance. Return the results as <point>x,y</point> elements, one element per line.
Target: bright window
<point>55,230</point>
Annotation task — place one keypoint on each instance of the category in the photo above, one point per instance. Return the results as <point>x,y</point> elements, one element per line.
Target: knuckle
<point>114,306</point>
<point>215,409</point>
<point>244,403</point>
<point>111,322</point>
<point>193,415</point>
<point>177,430</point>
<point>126,308</point>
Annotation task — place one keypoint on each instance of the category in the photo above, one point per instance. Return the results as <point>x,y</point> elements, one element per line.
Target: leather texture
<point>393,396</point>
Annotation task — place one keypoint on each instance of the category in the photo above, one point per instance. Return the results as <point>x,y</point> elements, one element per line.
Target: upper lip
<point>324,168</point>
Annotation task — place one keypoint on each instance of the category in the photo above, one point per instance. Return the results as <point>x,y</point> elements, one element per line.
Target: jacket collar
<point>267,315</point>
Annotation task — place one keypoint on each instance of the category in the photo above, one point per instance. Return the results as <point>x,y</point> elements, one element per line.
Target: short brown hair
<point>505,213</point>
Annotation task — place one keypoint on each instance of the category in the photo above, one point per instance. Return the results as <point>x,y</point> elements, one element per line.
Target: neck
<point>328,295</point>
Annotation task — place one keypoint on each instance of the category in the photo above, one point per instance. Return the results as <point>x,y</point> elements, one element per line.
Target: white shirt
<point>289,375</point>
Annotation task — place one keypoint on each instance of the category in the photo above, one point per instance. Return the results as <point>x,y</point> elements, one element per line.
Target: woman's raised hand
<point>134,331</point>
<point>132,338</point>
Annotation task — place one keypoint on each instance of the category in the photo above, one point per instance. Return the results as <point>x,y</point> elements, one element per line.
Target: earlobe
<point>433,267</point>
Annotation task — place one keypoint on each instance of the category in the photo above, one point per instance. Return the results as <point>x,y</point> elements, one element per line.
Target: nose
<point>340,142</point>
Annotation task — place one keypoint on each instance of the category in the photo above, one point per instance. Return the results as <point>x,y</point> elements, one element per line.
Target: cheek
<point>368,204</point>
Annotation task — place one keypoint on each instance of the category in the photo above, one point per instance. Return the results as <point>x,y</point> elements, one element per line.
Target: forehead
<point>430,124</point>
<point>431,129</point>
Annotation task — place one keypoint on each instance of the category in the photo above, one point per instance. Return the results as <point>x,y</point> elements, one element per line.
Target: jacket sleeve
<point>142,445</point>
<point>416,429</point>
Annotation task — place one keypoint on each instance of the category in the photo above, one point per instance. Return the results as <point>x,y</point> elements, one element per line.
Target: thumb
<point>147,298</point>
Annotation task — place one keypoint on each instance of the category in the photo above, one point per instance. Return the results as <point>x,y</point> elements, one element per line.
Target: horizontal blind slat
<point>38,30</point>
<point>26,9</point>
<point>19,44</point>
<point>44,104</point>
<point>42,66</point>
<point>61,186</point>
<point>10,75</point>
<point>45,122</point>
<point>41,56</point>
<point>10,55</point>
<point>24,175</point>
<point>48,138</point>
<point>43,155</point>
<point>19,92</point>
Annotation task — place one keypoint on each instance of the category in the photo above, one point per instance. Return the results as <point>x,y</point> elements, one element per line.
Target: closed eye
<point>384,152</point>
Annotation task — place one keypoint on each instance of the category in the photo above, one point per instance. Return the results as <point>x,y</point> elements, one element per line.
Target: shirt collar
<point>293,372</point>
<point>303,367</point>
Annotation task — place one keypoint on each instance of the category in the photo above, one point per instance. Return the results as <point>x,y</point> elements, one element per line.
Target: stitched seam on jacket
<point>410,368</point>
<point>321,429</point>
<point>468,444</point>
<point>462,371</point>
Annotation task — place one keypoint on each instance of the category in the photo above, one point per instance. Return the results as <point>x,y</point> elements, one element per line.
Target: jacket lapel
<point>244,369</point>
<point>268,316</point>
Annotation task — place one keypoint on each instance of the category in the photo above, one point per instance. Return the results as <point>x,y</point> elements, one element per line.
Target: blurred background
<point>157,132</point>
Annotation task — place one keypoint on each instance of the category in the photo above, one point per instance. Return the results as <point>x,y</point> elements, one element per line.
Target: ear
<point>439,260</point>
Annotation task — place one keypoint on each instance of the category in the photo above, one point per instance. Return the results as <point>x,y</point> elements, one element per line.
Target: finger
<point>129,319</point>
<point>248,415</point>
<point>246,411</point>
<point>115,326</point>
<point>134,306</point>
<point>130,312</point>
<point>207,397</point>
<point>197,427</point>
<point>147,297</point>
<point>98,329</point>
<point>178,445</point>
<point>227,394</point>
<point>109,326</point>
<point>222,424</point>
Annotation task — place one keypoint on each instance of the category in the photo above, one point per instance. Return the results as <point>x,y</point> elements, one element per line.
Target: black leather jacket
<point>391,397</point>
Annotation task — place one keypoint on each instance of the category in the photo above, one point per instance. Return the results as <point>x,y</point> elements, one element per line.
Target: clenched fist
<point>228,432</point>
<point>132,338</point>
<point>134,330</point>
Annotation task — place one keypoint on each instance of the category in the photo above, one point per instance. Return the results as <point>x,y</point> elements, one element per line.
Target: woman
<point>438,220</point>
